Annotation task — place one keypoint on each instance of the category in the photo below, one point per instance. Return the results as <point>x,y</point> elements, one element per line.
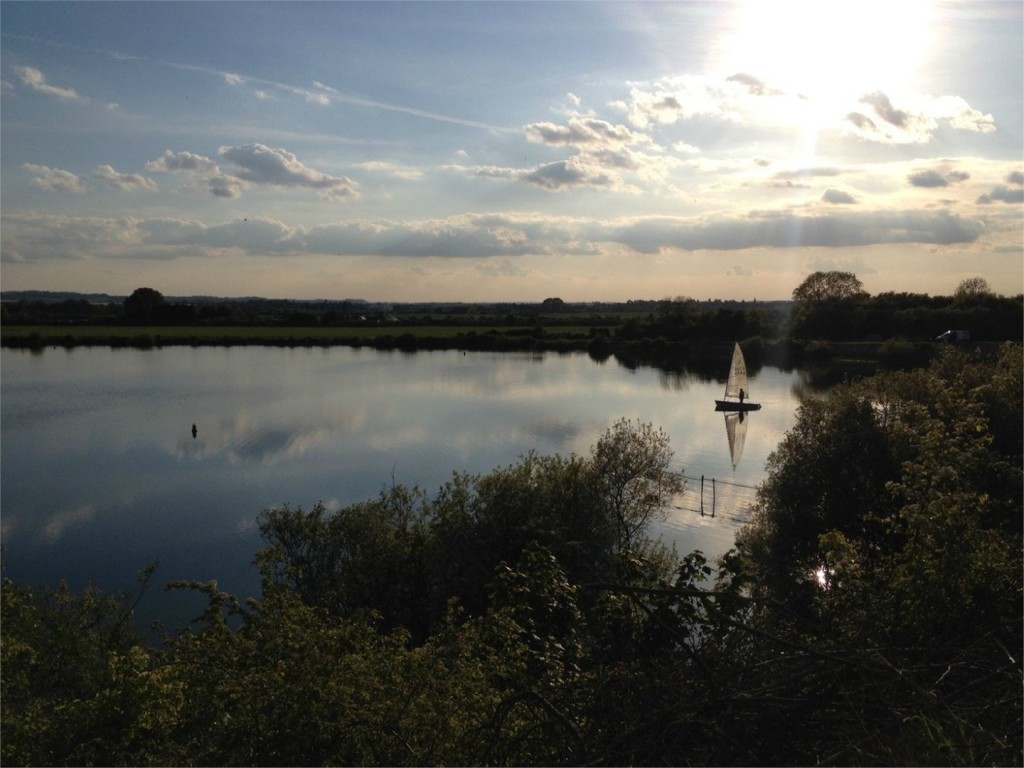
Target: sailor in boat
<point>742,395</point>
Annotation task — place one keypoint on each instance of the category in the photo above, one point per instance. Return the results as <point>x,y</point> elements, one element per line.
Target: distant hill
<point>56,297</point>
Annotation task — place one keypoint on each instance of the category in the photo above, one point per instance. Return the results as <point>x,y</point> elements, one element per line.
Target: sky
<point>512,151</point>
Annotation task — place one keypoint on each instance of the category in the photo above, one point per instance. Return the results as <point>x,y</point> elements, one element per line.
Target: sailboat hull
<point>733,405</point>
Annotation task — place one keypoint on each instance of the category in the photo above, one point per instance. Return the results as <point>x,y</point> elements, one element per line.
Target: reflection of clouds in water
<point>60,521</point>
<point>405,437</point>
<point>272,444</point>
<point>561,432</point>
<point>241,439</point>
<point>8,524</point>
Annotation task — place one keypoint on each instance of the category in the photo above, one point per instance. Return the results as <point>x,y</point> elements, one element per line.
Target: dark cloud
<point>568,173</point>
<point>753,84</point>
<point>884,109</point>
<point>928,179</point>
<point>863,122</point>
<point>227,187</point>
<point>1002,194</point>
<point>932,178</point>
<point>838,197</point>
<point>1015,177</point>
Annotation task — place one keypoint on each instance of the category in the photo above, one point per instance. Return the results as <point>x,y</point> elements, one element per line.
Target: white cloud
<point>583,133</point>
<point>61,521</point>
<point>124,181</point>
<point>36,80</point>
<point>915,120</point>
<point>55,178</point>
<point>232,79</point>
<point>260,164</point>
<point>34,237</point>
<point>182,161</point>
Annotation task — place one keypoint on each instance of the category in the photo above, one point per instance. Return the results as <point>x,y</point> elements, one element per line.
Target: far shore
<point>659,352</point>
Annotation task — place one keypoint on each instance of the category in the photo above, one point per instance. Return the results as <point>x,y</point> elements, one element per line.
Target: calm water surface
<point>100,474</point>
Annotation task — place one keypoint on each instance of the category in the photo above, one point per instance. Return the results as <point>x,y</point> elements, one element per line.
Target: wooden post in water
<point>712,497</point>
<point>702,495</point>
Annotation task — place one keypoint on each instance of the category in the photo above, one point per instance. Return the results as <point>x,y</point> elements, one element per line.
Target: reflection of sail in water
<point>736,429</point>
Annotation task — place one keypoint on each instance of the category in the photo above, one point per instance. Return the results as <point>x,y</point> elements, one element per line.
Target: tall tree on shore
<point>143,304</point>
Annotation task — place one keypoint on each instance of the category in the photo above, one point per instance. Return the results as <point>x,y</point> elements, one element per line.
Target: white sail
<point>737,375</point>
<point>736,430</point>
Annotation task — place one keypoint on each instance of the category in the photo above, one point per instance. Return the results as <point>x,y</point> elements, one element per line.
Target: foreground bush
<point>871,614</point>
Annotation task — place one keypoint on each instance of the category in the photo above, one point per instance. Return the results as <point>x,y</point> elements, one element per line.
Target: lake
<point>101,475</point>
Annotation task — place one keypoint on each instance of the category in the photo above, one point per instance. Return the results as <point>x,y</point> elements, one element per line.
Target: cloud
<point>1015,177</point>
<point>259,164</point>
<point>226,187</point>
<point>171,162</point>
<point>55,179</point>
<point>65,181</point>
<point>752,84</point>
<point>791,230</point>
<point>927,179</point>
<point>61,521</point>
<point>125,181</point>
<point>916,121</point>
<point>885,110</point>
<point>36,80</point>
<point>739,270</point>
<point>232,79</point>
<point>583,132</point>
<point>1002,194</point>
<point>932,178</point>
<point>35,237</point>
<point>838,197</point>
<point>574,172</point>
<point>806,173</point>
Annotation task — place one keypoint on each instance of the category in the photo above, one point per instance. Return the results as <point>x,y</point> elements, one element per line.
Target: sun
<point>827,53</point>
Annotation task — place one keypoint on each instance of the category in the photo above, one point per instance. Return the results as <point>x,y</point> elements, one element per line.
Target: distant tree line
<point>870,613</point>
<point>826,306</point>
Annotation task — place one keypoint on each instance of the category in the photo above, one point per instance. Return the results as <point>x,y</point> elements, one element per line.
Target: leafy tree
<point>143,305</point>
<point>912,582</point>
<point>631,465</point>
<point>971,289</point>
<point>829,286</point>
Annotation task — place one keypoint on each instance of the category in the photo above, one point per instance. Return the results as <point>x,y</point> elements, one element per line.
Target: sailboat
<point>738,387</point>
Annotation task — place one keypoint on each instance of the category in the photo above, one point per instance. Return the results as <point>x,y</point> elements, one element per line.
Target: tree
<point>143,304</point>
<point>631,463</point>
<point>829,286</point>
<point>971,289</point>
